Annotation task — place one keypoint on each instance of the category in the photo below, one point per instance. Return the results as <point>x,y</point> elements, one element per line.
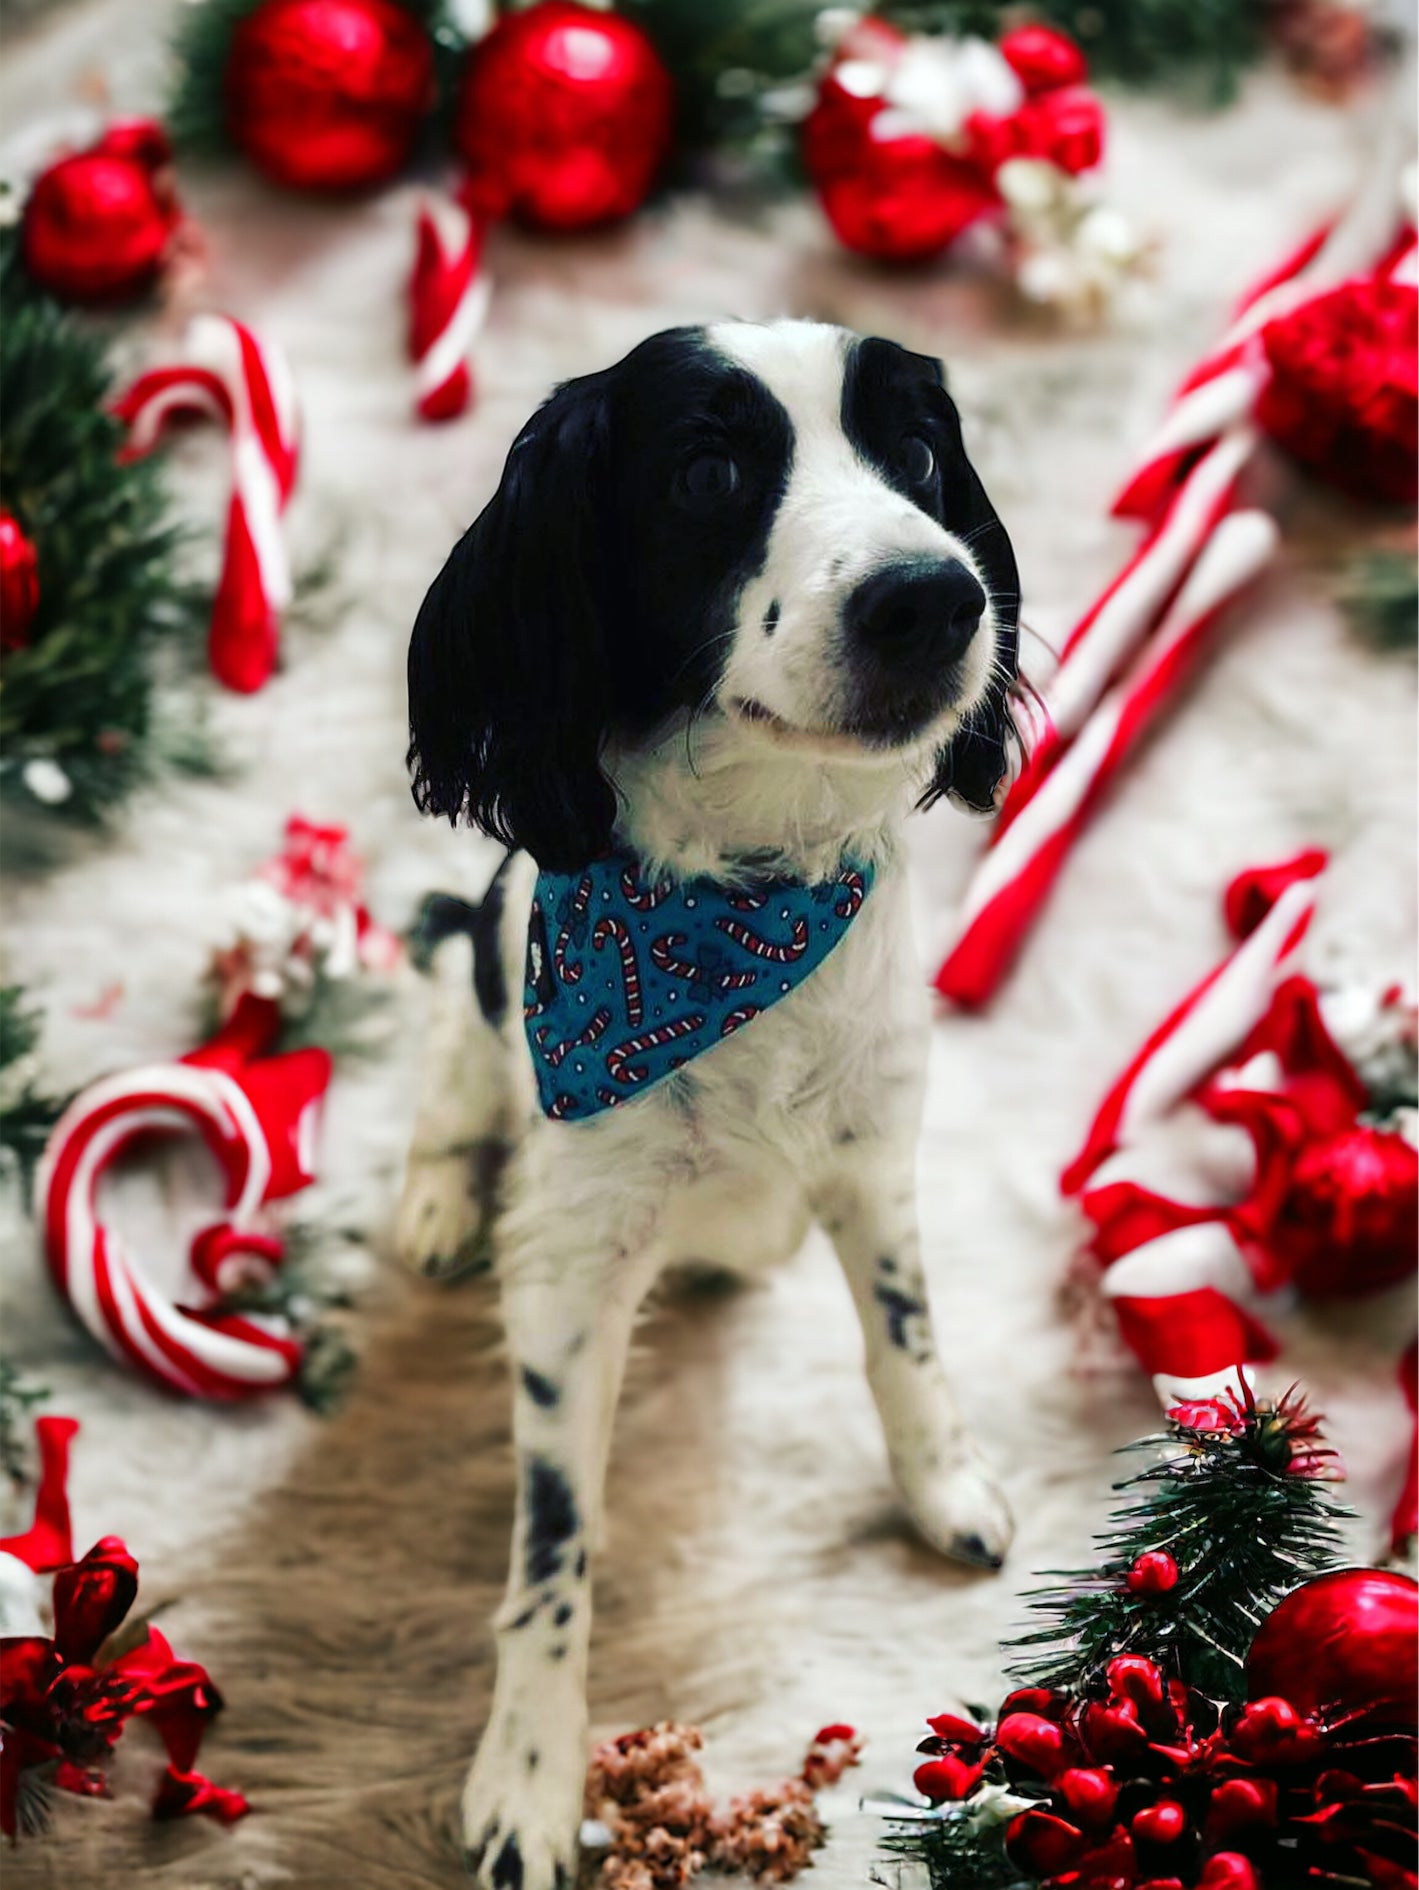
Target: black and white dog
<point>739,603</point>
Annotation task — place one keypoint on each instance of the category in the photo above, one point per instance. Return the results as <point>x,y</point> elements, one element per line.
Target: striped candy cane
<point>1179,1276</point>
<point>852,890</point>
<point>1016,874</point>
<point>765,948</point>
<point>570,973</point>
<point>618,1061</point>
<point>1112,630</point>
<point>642,898</point>
<point>741,1015</point>
<point>597,1026</point>
<point>258,1116</point>
<point>228,374</point>
<point>662,956</point>
<point>448,303</point>
<point>612,931</point>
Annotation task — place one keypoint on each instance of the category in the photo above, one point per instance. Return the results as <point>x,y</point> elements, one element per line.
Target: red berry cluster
<point>1147,1787</point>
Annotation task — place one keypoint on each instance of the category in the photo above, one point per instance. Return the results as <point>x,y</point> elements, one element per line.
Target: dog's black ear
<point>508,666</point>
<point>972,765</point>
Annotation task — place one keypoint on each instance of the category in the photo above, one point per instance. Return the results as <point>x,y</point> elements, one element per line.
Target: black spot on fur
<point>559,1652</point>
<point>563,1615</point>
<point>886,1264</point>
<point>552,1519</point>
<point>534,1759</point>
<point>507,1865</point>
<point>900,1309</point>
<point>541,1390</point>
<point>580,1568</point>
<point>771,617</point>
<point>525,1617</point>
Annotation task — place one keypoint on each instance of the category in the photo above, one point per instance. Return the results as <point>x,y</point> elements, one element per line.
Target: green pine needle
<point>1380,596</point>
<point>1244,1528</point>
<point>83,694</point>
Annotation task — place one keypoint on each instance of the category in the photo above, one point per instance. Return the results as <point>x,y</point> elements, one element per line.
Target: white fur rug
<point>759,1578</point>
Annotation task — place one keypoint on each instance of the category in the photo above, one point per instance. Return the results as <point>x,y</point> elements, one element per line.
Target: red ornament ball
<point>99,223</point>
<point>19,584</point>
<point>328,94</point>
<point>899,199</point>
<point>1349,1222</point>
<point>1154,1573</point>
<point>1343,397</point>
<point>565,116</point>
<point>1348,1640</point>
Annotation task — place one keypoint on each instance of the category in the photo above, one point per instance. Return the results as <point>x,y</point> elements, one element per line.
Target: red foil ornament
<point>1348,1640</point>
<point>99,224</point>
<point>328,94</point>
<point>1153,1573</point>
<point>1343,397</point>
<point>19,584</point>
<point>565,116</point>
<point>1349,1220</point>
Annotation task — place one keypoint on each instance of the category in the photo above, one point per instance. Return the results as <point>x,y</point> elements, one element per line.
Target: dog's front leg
<point>569,1325</point>
<point>868,1208</point>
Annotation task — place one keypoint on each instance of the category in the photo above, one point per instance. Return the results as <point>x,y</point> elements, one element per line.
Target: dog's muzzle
<point>907,629</point>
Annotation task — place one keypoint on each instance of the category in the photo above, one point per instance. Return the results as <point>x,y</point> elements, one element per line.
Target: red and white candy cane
<point>597,1025</point>
<point>644,898</point>
<point>258,1114</point>
<point>1025,856</point>
<point>765,948</point>
<point>448,304</point>
<point>1115,626</point>
<point>852,890</point>
<point>618,1061</point>
<point>736,1019</point>
<point>612,931</point>
<point>229,374</point>
<point>581,899</point>
<point>663,956</point>
<point>1178,1275</point>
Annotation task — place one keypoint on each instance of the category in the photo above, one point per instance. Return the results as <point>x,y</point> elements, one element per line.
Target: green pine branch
<point>82,698</point>
<point>27,1113</point>
<point>1245,1518</point>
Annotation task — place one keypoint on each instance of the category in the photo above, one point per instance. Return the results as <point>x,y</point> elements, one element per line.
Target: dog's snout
<point>922,610</point>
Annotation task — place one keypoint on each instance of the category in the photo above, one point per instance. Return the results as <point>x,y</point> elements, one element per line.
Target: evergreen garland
<point>27,1113</point>
<point>82,696</point>
<point>1242,1510</point>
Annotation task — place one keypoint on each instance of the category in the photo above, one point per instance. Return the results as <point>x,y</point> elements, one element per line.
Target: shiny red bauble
<point>19,584</point>
<point>98,225</point>
<point>1346,1641</point>
<point>565,117</point>
<point>328,94</point>
<point>899,199</point>
<point>1349,1222</point>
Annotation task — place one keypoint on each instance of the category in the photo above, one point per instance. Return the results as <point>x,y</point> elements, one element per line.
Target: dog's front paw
<point>959,1507</point>
<point>442,1225</point>
<point>520,1824</point>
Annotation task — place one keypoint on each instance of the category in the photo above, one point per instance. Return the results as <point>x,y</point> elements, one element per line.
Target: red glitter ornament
<point>1343,397</point>
<point>99,224</point>
<point>328,94</point>
<point>19,584</point>
<point>1154,1573</point>
<point>1348,1640</point>
<point>565,116</point>
<point>1349,1220</point>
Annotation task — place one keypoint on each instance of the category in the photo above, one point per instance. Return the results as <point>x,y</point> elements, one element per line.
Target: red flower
<point>946,1779</point>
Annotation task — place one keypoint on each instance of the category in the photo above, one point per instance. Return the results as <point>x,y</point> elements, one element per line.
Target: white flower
<point>47,781</point>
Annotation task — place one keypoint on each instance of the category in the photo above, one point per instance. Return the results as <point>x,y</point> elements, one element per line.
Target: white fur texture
<point>791,1591</point>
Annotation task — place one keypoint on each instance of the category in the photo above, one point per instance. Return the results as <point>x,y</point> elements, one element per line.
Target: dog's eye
<point>915,459</point>
<point>709,477</point>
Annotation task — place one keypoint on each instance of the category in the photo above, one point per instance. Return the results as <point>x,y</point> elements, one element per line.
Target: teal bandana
<point>627,981</point>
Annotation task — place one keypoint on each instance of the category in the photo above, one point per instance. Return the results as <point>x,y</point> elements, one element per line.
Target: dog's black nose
<point>920,611</point>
